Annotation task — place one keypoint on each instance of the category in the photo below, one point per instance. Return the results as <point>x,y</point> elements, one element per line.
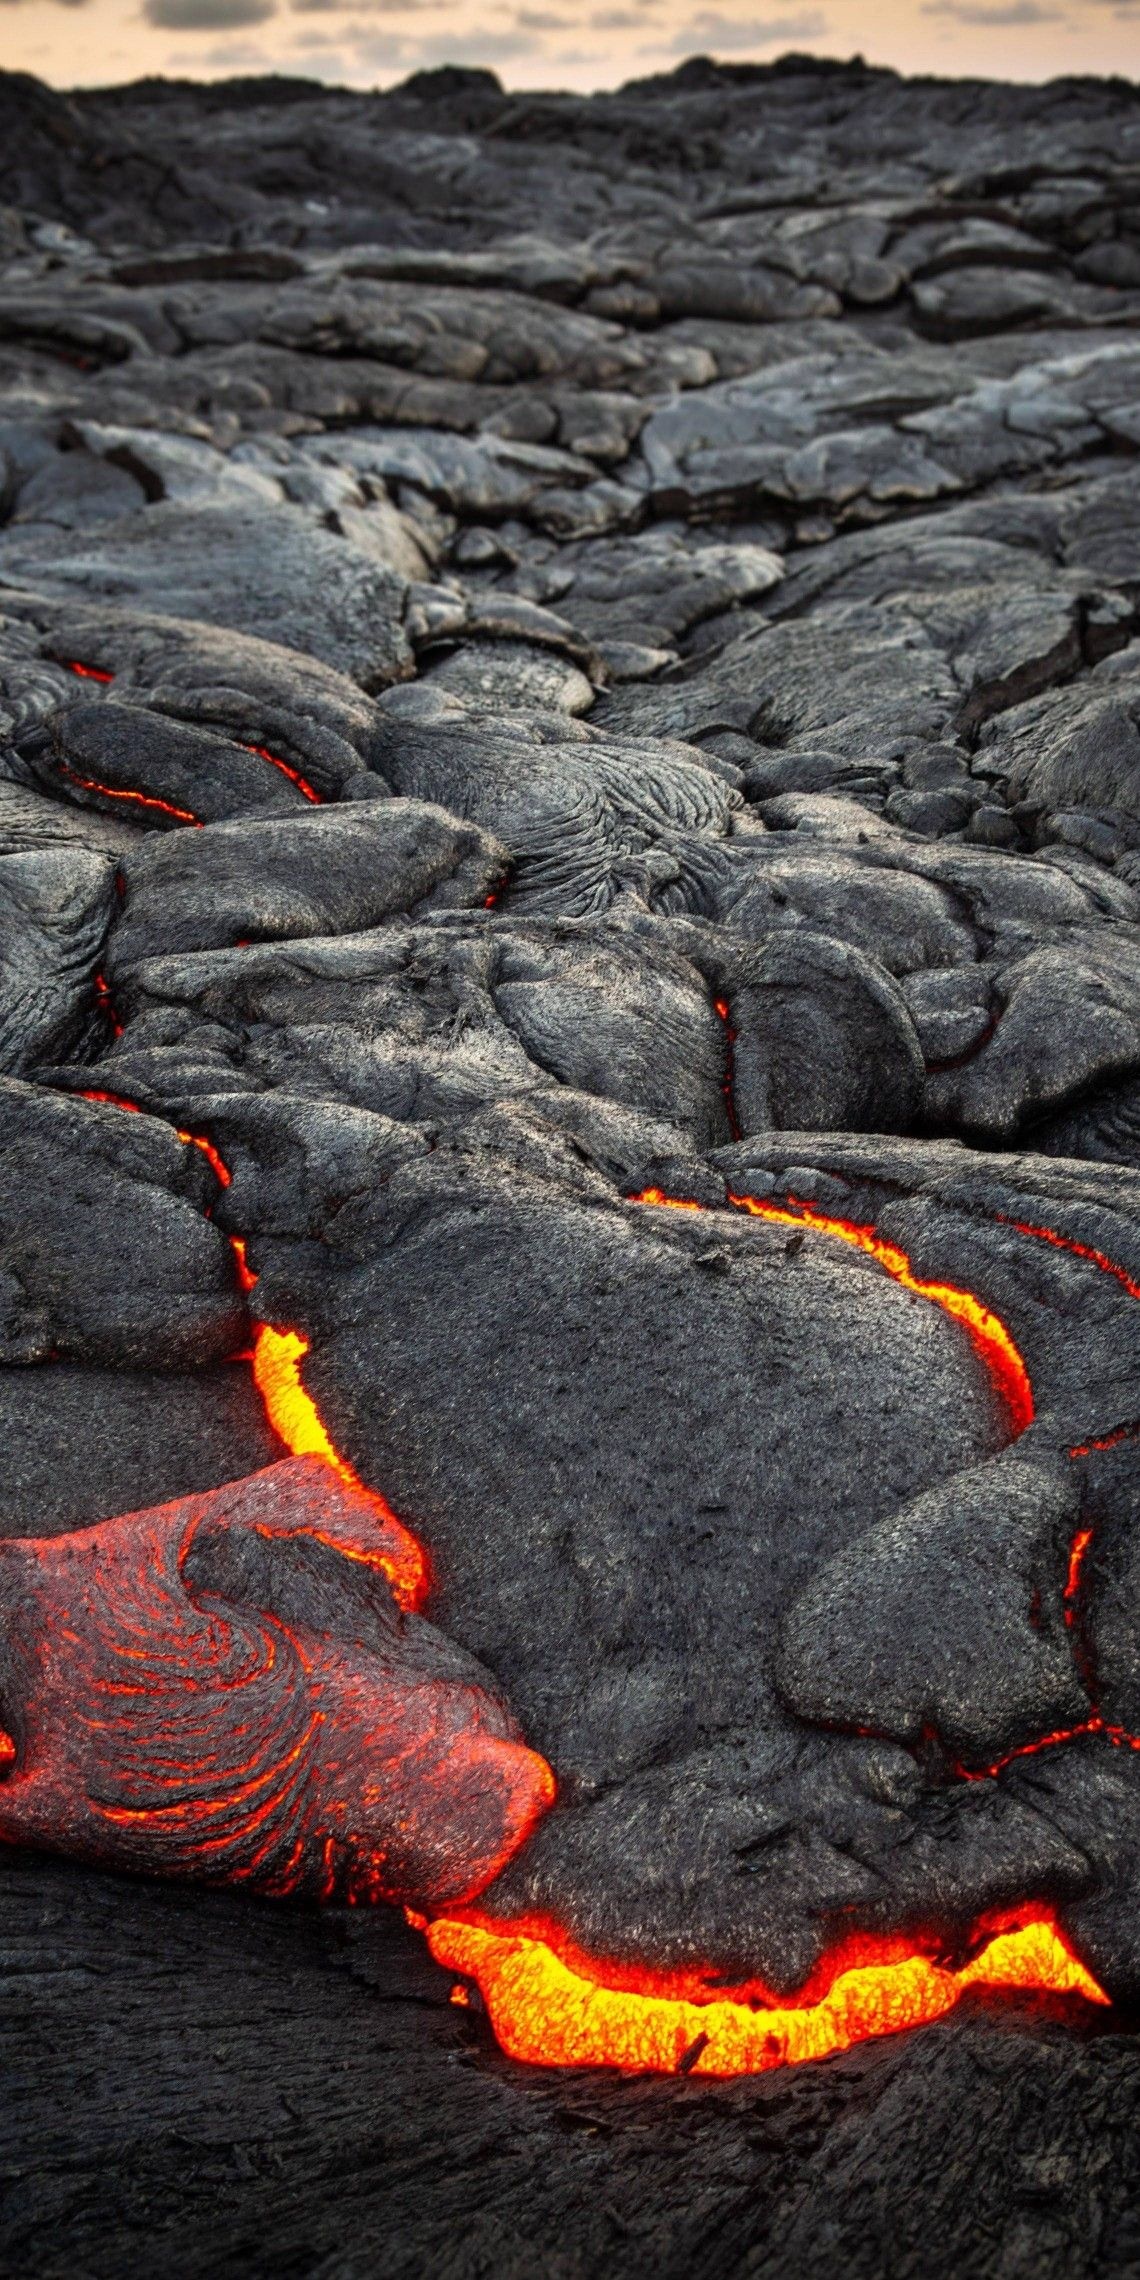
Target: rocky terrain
<point>561,659</point>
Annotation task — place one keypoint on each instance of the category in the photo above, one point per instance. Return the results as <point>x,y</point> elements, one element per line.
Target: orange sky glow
<point>554,43</point>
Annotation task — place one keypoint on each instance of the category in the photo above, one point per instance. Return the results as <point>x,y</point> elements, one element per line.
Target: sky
<point>554,43</point>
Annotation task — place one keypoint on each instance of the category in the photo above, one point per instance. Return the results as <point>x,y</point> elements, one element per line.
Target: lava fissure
<point>986,1331</point>
<point>552,2006</point>
<point>1098,1259</point>
<point>115,792</point>
<point>105,1004</point>
<point>728,1081</point>
<point>262,752</point>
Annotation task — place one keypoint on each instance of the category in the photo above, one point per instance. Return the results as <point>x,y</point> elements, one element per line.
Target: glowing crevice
<point>275,761</point>
<point>1095,1258</point>
<point>548,2004</point>
<point>549,2011</point>
<point>139,799</point>
<point>728,1081</point>
<point>277,1356</point>
<point>293,1414</point>
<point>987,1333</point>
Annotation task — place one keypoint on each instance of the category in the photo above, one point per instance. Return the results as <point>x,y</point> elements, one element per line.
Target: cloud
<point>540,20</point>
<point>985,14</point>
<point>207,15</point>
<point>354,8</point>
<point>623,19</point>
<point>470,48</point>
<point>712,33</point>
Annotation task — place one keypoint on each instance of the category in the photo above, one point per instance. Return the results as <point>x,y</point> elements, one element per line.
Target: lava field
<point>570,1179</point>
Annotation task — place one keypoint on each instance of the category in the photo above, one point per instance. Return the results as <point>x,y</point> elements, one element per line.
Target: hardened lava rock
<point>569,1160</point>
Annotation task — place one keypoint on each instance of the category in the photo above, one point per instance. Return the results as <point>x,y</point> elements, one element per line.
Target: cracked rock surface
<point>559,655</point>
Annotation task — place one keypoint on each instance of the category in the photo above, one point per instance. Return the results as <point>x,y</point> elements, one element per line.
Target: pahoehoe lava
<point>570,1189</point>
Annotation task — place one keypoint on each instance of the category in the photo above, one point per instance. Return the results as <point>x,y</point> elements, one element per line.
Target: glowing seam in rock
<point>84,672</point>
<point>275,761</point>
<point>728,1081</point>
<point>140,799</point>
<point>548,2010</point>
<point>1071,1593</point>
<point>987,1333</point>
<point>105,1004</point>
<point>1095,1258</point>
<point>192,1139</point>
<point>277,1356</point>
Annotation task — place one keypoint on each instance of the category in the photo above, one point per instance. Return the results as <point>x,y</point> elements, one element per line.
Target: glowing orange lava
<point>1118,1738</point>
<point>1107,1440</point>
<point>1077,1550</point>
<point>550,2005</point>
<point>85,672</point>
<point>115,1100</point>
<point>141,799</point>
<point>105,1003</point>
<point>989,1335</point>
<point>548,2011</point>
<point>277,1358</point>
<point>275,761</point>
<point>1096,1258</point>
<point>220,1171</point>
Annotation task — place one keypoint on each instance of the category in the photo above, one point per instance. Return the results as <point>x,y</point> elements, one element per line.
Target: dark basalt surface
<point>552,649</point>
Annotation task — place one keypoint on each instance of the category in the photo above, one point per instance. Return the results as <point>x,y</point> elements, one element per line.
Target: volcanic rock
<point>570,1188</point>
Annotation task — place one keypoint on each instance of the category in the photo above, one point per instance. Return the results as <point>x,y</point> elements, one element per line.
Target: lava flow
<point>550,2005</point>
<point>728,1081</point>
<point>550,2011</point>
<point>293,1414</point>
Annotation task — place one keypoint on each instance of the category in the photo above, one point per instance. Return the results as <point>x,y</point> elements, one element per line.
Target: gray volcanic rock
<point>56,906</point>
<point>677,1760</point>
<point>341,870</point>
<point>562,656</point>
<point>109,752</point>
<point>85,1443</point>
<point>265,570</point>
<point>116,1263</point>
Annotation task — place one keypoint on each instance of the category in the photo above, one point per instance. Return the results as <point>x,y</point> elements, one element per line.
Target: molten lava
<point>728,1081</point>
<point>275,761</point>
<point>85,672</point>
<point>549,2011</point>
<point>140,799</point>
<point>277,1356</point>
<point>988,1335</point>
<point>550,2005</point>
<point>1071,1594</point>
<point>1098,1259</point>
